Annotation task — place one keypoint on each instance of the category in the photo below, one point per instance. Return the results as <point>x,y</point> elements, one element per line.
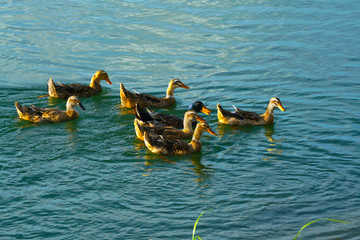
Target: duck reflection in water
<point>201,172</point>
<point>70,127</point>
<point>271,150</point>
<point>269,130</point>
<point>124,111</point>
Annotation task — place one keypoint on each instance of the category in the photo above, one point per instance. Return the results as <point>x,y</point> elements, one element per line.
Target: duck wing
<point>77,89</point>
<point>136,95</point>
<point>26,111</point>
<point>65,87</point>
<point>143,115</point>
<point>168,119</point>
<point>46,113</point>
<point>37,110</point>
<point>247,114</point>
<point>147,98</point>
<point>168,132</point>
<point>173,146</point>
<point>228,114</point>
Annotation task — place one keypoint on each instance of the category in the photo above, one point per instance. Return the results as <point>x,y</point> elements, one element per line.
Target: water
<point>91,178</point>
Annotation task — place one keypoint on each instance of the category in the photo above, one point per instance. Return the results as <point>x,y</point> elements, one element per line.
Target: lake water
<point>92,179</point>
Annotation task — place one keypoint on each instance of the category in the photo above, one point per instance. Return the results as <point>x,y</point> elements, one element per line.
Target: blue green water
<point>92,179</point>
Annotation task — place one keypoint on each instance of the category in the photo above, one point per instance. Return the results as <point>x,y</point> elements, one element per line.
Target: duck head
<point>74,101</point>
<point>198,106</point>
<point>101,75</point>
<point>275,102</point>
<point>204,127</point>
<point>192,115</point>
<point>175,83</point>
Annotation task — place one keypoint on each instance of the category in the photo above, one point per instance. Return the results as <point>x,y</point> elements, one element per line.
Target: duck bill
<point>280,106</point>
<point>200,119</point>
<point>81,106</point>
<point>184,86</point>
<point>205,110</point>
<point>107,79</point>
<point>209,130</point>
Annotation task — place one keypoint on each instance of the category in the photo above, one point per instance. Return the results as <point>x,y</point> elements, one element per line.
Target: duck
<point>129,99</point>
<point>65,91</point>
<point>160,145</point>
<point>172,120</point>
<point>168,132</point>
<point>243,118</point>
<point>50,115</point>
<point>169,119</point>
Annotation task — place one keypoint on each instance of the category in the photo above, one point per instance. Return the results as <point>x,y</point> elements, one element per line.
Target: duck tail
<point>142,114</point>
<point>51,87</point>
<point>139,129</point>
<point>224,112</point>
<point>219,108</point>
<point>19,109</point>
<point>124,91</point>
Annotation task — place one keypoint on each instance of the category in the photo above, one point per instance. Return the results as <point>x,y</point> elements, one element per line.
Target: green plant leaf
<point>327,219</point>
<point>197,220</point>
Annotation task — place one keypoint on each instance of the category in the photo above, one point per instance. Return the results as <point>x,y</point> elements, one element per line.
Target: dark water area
<point>92,179</point>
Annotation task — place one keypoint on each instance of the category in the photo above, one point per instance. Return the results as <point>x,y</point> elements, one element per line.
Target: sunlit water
<point>92,179</point>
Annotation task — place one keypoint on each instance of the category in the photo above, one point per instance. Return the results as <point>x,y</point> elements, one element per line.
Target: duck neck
<point>170,91</point>
<point>95,83</point>
<point>70,110</point>
<point>195,141</point>
<point>187,125</point>
<point>269,114</point>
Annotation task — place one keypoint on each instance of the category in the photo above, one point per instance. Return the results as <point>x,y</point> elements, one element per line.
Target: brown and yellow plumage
<point>168,132</point>
<point>172,120</point>
<point>242,118</point>
<point>129,99</point>
<point>160,145</point>
<point>50,115</point>
<point>65,91</point>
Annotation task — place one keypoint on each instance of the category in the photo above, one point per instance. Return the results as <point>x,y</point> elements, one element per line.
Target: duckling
<point>167,132</point>
<point>128,99</point>
<point>65,91</point>
<point>50,115</point>
<point>242,118</point>
<point>160,145</point>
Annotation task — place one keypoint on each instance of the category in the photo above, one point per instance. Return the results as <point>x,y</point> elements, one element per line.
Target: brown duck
<point>129,99</point>
<point>160,145</point>
<point>65,91</point>
<point>167,132</point>
<point>242,118</point>
<point>172,120</point>
<point>50,115</point>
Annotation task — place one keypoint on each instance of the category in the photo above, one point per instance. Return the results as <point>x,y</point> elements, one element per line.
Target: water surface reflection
<point>271,151</point>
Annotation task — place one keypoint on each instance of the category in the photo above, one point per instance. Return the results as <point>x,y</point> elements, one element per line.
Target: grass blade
<point>327,219</point>
<point>197,220</point>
